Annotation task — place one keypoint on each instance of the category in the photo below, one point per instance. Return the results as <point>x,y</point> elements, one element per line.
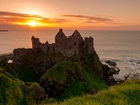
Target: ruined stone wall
<point>65,45</point>
<point>47,47</point>
<point>18,53</point>
<point>35,42</point>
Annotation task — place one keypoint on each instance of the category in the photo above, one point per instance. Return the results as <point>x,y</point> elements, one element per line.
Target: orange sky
<point>70,14</point>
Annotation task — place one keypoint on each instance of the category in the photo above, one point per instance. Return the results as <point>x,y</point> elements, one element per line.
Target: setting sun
<point>33,23</point>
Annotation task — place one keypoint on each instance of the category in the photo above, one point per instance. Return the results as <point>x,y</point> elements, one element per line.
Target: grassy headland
<point>68,79</point>
<point>41,78</point>
<point>16,92</point>
<point>127,93</point>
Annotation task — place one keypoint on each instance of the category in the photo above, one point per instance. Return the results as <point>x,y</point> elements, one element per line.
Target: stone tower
<point>60,36</point>
<point>78,40</point>
<point>89,45</point>
<point>35,42</point>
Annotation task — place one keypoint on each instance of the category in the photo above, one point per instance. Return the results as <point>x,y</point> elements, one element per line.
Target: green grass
<point>93,80</point>
<point>69,79</point>
<point>91,84</point>
<point>127,93</point>
<point>23,73</point>
<point>14,91</point>
<point>10,89</point>
<point>59,71</point>
<point>26,74</point>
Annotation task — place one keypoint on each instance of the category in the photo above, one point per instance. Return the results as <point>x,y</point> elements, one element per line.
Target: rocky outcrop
<point>70,67</point>
<point>109,69</point>
<point>15,92</point>
<point>68,79</point>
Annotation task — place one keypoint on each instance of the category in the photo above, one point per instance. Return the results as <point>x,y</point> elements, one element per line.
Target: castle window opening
<point>53,48</point>
<point>74,43</point>
<point>48,49</point>
<point>10,61</point>
<point>70,47</point>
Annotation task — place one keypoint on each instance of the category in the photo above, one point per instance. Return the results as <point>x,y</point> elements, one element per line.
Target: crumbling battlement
<point>65,45</point>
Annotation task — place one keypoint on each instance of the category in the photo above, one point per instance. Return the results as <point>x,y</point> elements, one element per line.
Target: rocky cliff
<point>57,75</point>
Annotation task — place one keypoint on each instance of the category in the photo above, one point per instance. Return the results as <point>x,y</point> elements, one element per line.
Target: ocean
<point>122,47</point>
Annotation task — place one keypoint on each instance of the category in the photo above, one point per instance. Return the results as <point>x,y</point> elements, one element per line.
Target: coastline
<point>6,55</point>
<point>58,74</point>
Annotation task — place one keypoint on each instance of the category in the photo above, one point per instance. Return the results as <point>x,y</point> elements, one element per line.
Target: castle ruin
<point>65,45</point>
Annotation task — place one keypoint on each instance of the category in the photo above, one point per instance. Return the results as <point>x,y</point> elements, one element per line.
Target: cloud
<point>54,20</point>
<point>12,14</point>
<point>90,19</point>
<point>11,17</point>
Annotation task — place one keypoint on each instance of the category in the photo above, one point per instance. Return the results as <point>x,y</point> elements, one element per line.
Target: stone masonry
<point>65,45</point>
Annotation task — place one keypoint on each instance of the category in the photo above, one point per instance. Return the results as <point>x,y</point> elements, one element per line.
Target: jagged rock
<point>132,76</point>
<point>111,63</point>
<point>108,74</point>
<point>67,79</point>
<point>15,92</point>
<point>69,67</point>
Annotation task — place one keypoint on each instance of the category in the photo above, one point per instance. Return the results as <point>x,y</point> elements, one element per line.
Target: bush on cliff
<point>67,79</point>
<point>91,60</point>
<point>14,92</point>
<point>26,74</point>
<point>39,61</point>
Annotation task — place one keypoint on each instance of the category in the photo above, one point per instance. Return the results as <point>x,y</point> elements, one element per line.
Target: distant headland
<point>3,30</point>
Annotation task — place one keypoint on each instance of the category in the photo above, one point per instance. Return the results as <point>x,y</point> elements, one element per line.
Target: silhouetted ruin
<point>67,46</point>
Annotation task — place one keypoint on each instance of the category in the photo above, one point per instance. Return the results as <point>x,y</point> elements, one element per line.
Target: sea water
<point>122,47</point>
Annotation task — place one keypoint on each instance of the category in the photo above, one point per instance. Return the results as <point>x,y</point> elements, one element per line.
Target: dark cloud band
<point>90,19</point>
<point>10,17</point>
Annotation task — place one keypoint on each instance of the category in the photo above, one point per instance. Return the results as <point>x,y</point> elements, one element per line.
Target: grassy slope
<point>10,89</point>
<point>14,91</point>
<point>23,73</point>
<point>127,93</point>
<point>77,78</point>
<point>26,74</point>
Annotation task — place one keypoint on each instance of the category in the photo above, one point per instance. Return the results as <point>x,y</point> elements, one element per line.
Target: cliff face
<point>39,61</point>
<point>43,56</point>
<point>70,78</point>
<point>15,92</point>
<point>62,76</point>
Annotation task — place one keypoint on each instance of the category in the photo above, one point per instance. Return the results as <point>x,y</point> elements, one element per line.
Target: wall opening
<point>69,47</point>
<point>48,49</point>
<point>74,43</point>
<point>10,61</point>
<point>53,48</point>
